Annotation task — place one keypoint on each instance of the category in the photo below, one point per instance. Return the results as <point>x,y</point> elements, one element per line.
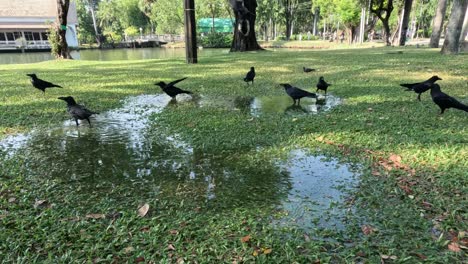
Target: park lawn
<point>410,204</point>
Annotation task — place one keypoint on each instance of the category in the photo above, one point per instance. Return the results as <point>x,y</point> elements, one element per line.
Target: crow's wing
<point>80,112</point>
<point>447,101</point>
<point>298,93</point>
<point>176,90</point>
<point>43,83</point>
<point>422,87</point>
<point>250,75</point>
<point>174,82</point>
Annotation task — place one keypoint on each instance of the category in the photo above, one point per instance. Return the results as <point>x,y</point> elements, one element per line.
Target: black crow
<point>322,85</point>
<point>77,111</point>
<point>308,69</point>
<point>250,76</point>
<point>421,87</point>
<point>41,84</point>
<point>296,93</point>
<point>170,89</point>
<point>445,101</point>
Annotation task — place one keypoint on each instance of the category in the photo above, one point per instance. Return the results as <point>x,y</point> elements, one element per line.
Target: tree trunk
<point>454,27</point>
<point>62,9</point>
<point>316,17</point>
<point>244,31</point>
<point>464,33</point>
<point>91,5</point>
<point>405,20</point>
<point>288,23</point>
<point>437,23</point>
<point>387,10</point>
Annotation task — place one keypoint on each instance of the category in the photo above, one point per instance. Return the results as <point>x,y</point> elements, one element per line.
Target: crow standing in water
<point>296,93</point>
<point>77,111</point>
<point>41,84</point>
<point>171,90</point>
<point>322,85</point>
<point>250,76</point>
<point>445,101</point>
<point>308,69</point>
<point>421,87</point>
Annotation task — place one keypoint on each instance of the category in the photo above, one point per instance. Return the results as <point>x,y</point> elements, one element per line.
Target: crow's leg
<point>76,120</point>
<point>317,90</point>
<point>88,121</point>
<point>299,101</point>
<point>442,110</point>
<point>419,97</point>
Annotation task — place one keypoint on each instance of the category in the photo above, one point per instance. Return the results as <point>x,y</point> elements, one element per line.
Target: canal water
<point>107,55</point>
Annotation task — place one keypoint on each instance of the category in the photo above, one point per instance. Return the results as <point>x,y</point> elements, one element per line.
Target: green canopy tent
<point>222,25</point>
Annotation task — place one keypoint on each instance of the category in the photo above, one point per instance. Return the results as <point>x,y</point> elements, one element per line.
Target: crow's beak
<point>61,98</point>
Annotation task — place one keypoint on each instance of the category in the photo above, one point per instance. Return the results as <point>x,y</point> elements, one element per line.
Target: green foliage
<point>216,40</point>
<point>132,31</point>
<point>169,16</point>
<point>86,33</point>
<point>53,39</point>
<point>348,11</point>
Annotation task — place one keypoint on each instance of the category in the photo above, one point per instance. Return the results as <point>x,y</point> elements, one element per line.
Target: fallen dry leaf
<point>139,259</point>
<point>40,203</point>
<point>145,229</point>
<point>376,173</point>
<point>421,256</point>
<point>143,210</point>
<point>454,247</point>
<point>128,250</point>
<point>245,239</point>
<point>12,200</point>
<point>388,257</point>
<point>367,229</point>
<point>306,238</point>
<point>173,232</point>
<point>96,216</point>
<point>267,251</point>
<point>171,247</point>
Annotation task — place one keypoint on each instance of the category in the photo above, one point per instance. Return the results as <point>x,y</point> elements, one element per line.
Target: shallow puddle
<point>120,149</point>
<point>257,106</point>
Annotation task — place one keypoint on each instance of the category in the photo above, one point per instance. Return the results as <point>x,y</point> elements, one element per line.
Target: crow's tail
<point>58,86</point>
<point>407,85</point>
<point>187,92</point>
<point>312,95</point>
<point>461,106</point>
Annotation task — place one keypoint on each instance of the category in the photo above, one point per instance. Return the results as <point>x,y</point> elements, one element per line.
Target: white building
<point>24,23</point>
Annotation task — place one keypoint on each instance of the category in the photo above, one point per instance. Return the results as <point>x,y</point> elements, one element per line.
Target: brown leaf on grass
<point>454,247</point>
<point>139,259</point>
<point>173,232</point>
<point>128,250</point>
<point>361,254</point>
<point>40,203</point>
<point>421,256</point>
<point>376,173</point>
<point>245,239</point>
<point>142,211</point>
<point>389,257</point>
<point>267,251</point>
<point>171,247</point>
<point>180,261</point>
<point>95,216</point>
<point>306,238</point>
<point>145,229</point>
<point>12,200</point>
<point>367,230</point>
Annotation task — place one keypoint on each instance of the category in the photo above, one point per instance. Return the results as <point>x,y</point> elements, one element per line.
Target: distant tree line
<point>394,21</point>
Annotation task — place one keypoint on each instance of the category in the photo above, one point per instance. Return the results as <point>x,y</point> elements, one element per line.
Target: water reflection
<point>123,150</point>
<point>107,55</point>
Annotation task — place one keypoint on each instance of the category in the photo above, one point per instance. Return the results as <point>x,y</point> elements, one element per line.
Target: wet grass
<point>411,201</point>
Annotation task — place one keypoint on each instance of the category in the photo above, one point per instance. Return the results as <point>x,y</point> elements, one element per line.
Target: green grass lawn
<point>411,201</point>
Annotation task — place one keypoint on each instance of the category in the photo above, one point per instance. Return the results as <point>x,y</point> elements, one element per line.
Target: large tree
<point>437,23</point>
<point>383,9</point>
<point>454,27</point>
<point>404,21</point>
<point>245,12</point>
<point>62,12</point>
